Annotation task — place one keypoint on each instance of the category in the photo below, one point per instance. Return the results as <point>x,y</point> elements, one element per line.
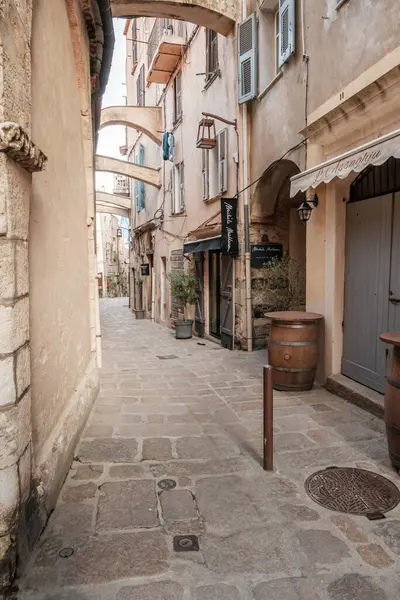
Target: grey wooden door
<point>199,313</point>
<point>394,288</point>
<point>367,279</point>
<point>226,301</point>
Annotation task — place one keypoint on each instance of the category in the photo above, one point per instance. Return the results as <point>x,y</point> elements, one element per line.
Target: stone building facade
<point>54,67</point>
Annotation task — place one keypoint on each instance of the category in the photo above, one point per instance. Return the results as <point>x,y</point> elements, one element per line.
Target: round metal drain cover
<point>167,484</point>
<point>352,491</point>
<point>66,552</point>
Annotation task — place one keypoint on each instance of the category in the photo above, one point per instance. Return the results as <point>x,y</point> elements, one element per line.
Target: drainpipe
<point>153,294</point>
<point>249,319</point>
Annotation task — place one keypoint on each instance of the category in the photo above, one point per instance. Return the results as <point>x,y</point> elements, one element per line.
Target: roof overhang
<point>166,59</point>
<point>213,243</point>
<point>374,153</point>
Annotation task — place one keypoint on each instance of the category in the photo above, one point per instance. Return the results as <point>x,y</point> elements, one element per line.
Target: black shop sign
<point>229,233</point>
<point>262,254</point>
<point>145,269</point>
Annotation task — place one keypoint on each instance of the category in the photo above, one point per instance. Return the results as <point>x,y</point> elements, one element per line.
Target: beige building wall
<point>47,293</point>
<point>58,256</point>
<point>218,98</point>
<point>351,101</point>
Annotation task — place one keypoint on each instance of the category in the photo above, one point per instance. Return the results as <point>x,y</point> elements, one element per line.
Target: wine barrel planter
<point>293,349</point>
<point>392,399</point>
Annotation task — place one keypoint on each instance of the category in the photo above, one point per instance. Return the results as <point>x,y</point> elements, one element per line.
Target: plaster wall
<point>58,257</point>
<point>350,40</point>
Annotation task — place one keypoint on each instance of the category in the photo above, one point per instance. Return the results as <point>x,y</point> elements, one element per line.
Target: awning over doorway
<point>205,245</point>
<point>373,153</point>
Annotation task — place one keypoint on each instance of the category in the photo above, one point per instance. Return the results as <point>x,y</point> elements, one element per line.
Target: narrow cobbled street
<point>173,447</point>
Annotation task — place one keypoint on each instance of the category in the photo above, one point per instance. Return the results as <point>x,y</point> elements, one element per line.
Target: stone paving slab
<point>197,420</point>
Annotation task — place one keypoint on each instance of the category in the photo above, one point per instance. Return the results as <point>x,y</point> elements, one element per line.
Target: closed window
<point>141,87</point>
<point>286,31</point>
<point>178,97</point>
<point>211,54</point>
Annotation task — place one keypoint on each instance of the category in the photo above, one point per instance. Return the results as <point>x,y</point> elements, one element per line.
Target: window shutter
<point>181,186</point>
<point>204,173</point>
<point>222,162</point>
<point>247,61</point>
<point>286,30</point>
<point>137,184</point>
<point>172,189</point>
<point>140,184</point>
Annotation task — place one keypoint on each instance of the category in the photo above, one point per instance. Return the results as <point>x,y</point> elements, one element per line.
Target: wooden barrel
<point>293,349</point>
<point>392,400</point>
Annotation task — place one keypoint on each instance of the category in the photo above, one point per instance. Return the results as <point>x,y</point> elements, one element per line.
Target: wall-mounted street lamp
<point>305,209</point>
<point>206,136</point>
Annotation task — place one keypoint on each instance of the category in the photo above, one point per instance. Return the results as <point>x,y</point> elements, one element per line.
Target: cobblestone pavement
<point>191,411</point>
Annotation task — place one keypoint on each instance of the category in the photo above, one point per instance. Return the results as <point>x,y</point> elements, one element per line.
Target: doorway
<point>372,277</point>
<point>215,293</point>
<point>199,312</point>
<point>163,282</point>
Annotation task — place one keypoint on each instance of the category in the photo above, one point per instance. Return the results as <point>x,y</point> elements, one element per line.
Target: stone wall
<point>48,371</point>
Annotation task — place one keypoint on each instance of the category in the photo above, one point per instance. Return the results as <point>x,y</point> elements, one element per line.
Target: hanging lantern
<point>305,209</point>
<point>119,232</point>
<point>206,135</point>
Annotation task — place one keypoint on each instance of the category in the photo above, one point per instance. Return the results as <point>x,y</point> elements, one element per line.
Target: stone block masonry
<point>260,535</point>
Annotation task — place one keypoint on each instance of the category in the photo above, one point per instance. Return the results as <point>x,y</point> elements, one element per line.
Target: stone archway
<point>218,15</point>
<point>147,119</point>
<point>274,219</point>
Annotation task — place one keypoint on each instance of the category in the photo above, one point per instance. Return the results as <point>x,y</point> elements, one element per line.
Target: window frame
<point>205,174</point>
<point>141,87</point>
<point>212,62</point>
<point>178,114</point>
<point>177,182</point>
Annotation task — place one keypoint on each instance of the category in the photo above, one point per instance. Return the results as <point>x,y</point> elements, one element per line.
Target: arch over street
<point>122,167</point>
<point>218,15</point>
<point>147,119</point>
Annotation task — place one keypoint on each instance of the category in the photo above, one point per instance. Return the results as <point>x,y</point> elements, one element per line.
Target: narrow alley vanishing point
<point>173,447</point>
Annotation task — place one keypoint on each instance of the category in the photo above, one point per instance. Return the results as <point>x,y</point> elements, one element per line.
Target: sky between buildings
<point>112,137</point>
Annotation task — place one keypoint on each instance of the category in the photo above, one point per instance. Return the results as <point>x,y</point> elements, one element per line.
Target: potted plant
<point>184,290</point>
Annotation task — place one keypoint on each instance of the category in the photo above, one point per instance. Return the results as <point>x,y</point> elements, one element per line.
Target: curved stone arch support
<point>218,15</point>
<point>147,119</point>
<point>114,165</point>
<point>114,199</point>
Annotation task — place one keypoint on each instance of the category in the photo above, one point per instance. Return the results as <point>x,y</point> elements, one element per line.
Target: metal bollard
<point>268,458</point>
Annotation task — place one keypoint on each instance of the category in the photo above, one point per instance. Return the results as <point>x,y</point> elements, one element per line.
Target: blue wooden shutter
<point>137,183</point>
<point>247,60</point>
<point>286,30</point>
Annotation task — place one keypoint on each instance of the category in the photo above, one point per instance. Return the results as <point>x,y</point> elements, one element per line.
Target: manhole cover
<point>166,484</point>
<point>66,552</point>
<point>186,543</point>
<point>352,491</point>
<point>167,357</point>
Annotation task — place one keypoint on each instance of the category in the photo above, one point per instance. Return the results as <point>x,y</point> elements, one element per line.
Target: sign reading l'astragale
<point>229,233</point>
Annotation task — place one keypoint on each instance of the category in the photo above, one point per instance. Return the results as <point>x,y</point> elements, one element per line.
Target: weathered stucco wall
<point>58,256</point>
<point>349,40</point>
